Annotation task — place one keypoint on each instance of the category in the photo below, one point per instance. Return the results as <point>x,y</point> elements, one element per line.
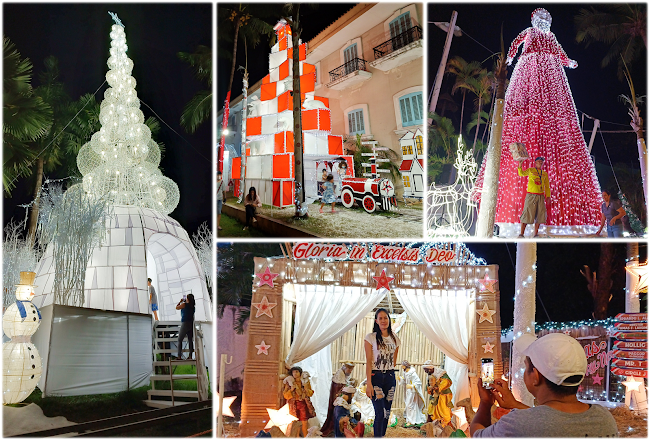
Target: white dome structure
<point>140,243</point>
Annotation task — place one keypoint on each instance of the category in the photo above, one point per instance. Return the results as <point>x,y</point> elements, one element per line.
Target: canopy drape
<point>446,317</point>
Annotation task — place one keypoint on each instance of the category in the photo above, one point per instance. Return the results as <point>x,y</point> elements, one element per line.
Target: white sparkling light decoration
<point>539,112</point>
<point>450,207</point>
<point>21,363</point>
<point>121,160</point>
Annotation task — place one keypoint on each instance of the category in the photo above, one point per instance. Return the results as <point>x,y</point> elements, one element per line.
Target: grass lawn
<point>232,228</point>
<point>81,409</point>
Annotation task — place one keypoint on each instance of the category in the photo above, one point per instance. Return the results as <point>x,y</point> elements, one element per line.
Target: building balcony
<point>399,50</point>
<point>352,73</point>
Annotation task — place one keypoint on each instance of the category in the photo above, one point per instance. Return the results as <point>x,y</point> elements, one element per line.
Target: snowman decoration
<point>21,363</point>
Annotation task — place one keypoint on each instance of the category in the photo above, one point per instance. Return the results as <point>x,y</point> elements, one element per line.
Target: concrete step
<point>176,376</point>
<point>174,363</point>
<point>177,393</point>
<point>163,403</point>
<point>169,350</point>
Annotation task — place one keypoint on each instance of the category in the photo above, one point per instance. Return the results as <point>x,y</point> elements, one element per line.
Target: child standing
<point>328,194</point>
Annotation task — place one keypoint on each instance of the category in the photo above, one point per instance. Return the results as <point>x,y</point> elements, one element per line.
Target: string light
<point>121,160</point>
<point>269,130</point>
<point>450,207</point>
<point>540,112</point>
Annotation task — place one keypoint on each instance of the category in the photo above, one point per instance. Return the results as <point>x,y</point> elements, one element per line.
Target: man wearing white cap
<point>555,366</point>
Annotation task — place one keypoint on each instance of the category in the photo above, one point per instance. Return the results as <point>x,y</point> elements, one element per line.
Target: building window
<point>400,24</point>
<point>407,149</point>
<point>418,144</point>
<point>355,122</point>
<point>407,181</point>
<point>349,58</point>
<point>411,109</point>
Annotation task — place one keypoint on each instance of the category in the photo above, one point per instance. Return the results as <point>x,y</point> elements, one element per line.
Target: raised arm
<point>514,46</point>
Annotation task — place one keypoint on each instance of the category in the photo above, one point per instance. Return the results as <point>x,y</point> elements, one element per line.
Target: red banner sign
<point>632,317</point>
<point>631,336</point>
<point>635,326</point>
<point>631,345</point>
<point>377,252</point>
<point>630,354</point>
<point>627,363</point>
<point>628,372</point>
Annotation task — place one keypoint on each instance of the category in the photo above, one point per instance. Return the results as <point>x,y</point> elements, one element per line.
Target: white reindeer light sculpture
<point>450,208</point>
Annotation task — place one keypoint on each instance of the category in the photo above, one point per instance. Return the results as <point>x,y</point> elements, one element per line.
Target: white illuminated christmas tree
<point>121,160</point>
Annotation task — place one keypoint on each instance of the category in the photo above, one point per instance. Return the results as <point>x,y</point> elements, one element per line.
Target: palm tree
<point>481,86</point>
<point>621,26</point>
<point>636,122</point>
<point>236,18</point>
<point>26,117</point>
<point>441,132</point>
<point>49,149</point>
<point>235,265</point>
<point>462,70</point>
<point>199,108</point>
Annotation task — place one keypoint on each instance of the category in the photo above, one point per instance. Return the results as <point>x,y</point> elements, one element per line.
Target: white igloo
<point>140,243</point>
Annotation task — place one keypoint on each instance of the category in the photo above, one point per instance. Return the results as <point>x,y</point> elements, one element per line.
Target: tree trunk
<point>487,211</point>
<point>33,215</point>
<point>524,313</point>
<point>601,288</point>
<point>478,125</point>
<point>297,114</point>
<point>462,111</point>
<point>234,55</point>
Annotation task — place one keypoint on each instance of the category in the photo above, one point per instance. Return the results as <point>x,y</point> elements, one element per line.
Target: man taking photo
<point>555,366</point>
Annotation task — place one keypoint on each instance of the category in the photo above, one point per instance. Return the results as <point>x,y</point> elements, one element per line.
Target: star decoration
<point>641,272</point>
<point>227,401</point>
<point>487,283</point>
<point>567,332</point>
<point>263,348</point>
<point>598,380</point>
<point>264,307</point>
<point>383,280</point>
<point>485,314</point>
<point>386,185</point>
<point>631,385</point>
<point>280,418</point>
<point>610,332</point>
<point>266,277</point>
<point>487,348</point>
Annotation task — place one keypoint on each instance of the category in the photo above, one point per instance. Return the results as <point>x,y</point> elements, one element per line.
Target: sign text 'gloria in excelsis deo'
<point>377,252</point>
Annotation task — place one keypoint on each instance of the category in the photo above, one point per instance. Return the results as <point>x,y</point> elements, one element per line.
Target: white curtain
<point>446,317</point>
<point>319,366</point>
<point>324,313</point>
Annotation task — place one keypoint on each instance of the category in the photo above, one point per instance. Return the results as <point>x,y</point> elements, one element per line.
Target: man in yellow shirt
<point>538,192</point>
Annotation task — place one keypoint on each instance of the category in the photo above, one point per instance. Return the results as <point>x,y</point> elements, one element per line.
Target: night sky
<point>315,18</point>
<point>595,89</point>
<point>78,35</point>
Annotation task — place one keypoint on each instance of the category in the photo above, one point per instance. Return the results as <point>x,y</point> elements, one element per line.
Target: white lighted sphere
<point>21,371</point>
<point>15,325</point>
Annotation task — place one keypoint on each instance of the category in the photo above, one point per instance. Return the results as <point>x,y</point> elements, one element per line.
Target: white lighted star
<point>280,418</point>
<point>227,401</point>
<point>631,385</point>
<point>640,272</point>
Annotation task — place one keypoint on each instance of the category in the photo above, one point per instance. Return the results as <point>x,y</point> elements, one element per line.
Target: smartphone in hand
<point>487,372</point>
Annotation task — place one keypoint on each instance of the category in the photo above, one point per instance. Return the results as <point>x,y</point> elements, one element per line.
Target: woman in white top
<point>381,355</point>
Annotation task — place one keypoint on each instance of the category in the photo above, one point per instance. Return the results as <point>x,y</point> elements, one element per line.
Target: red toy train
<point>370,193</point>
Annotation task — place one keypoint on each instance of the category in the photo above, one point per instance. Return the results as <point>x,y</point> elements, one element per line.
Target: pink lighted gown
<point>539,111</point>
